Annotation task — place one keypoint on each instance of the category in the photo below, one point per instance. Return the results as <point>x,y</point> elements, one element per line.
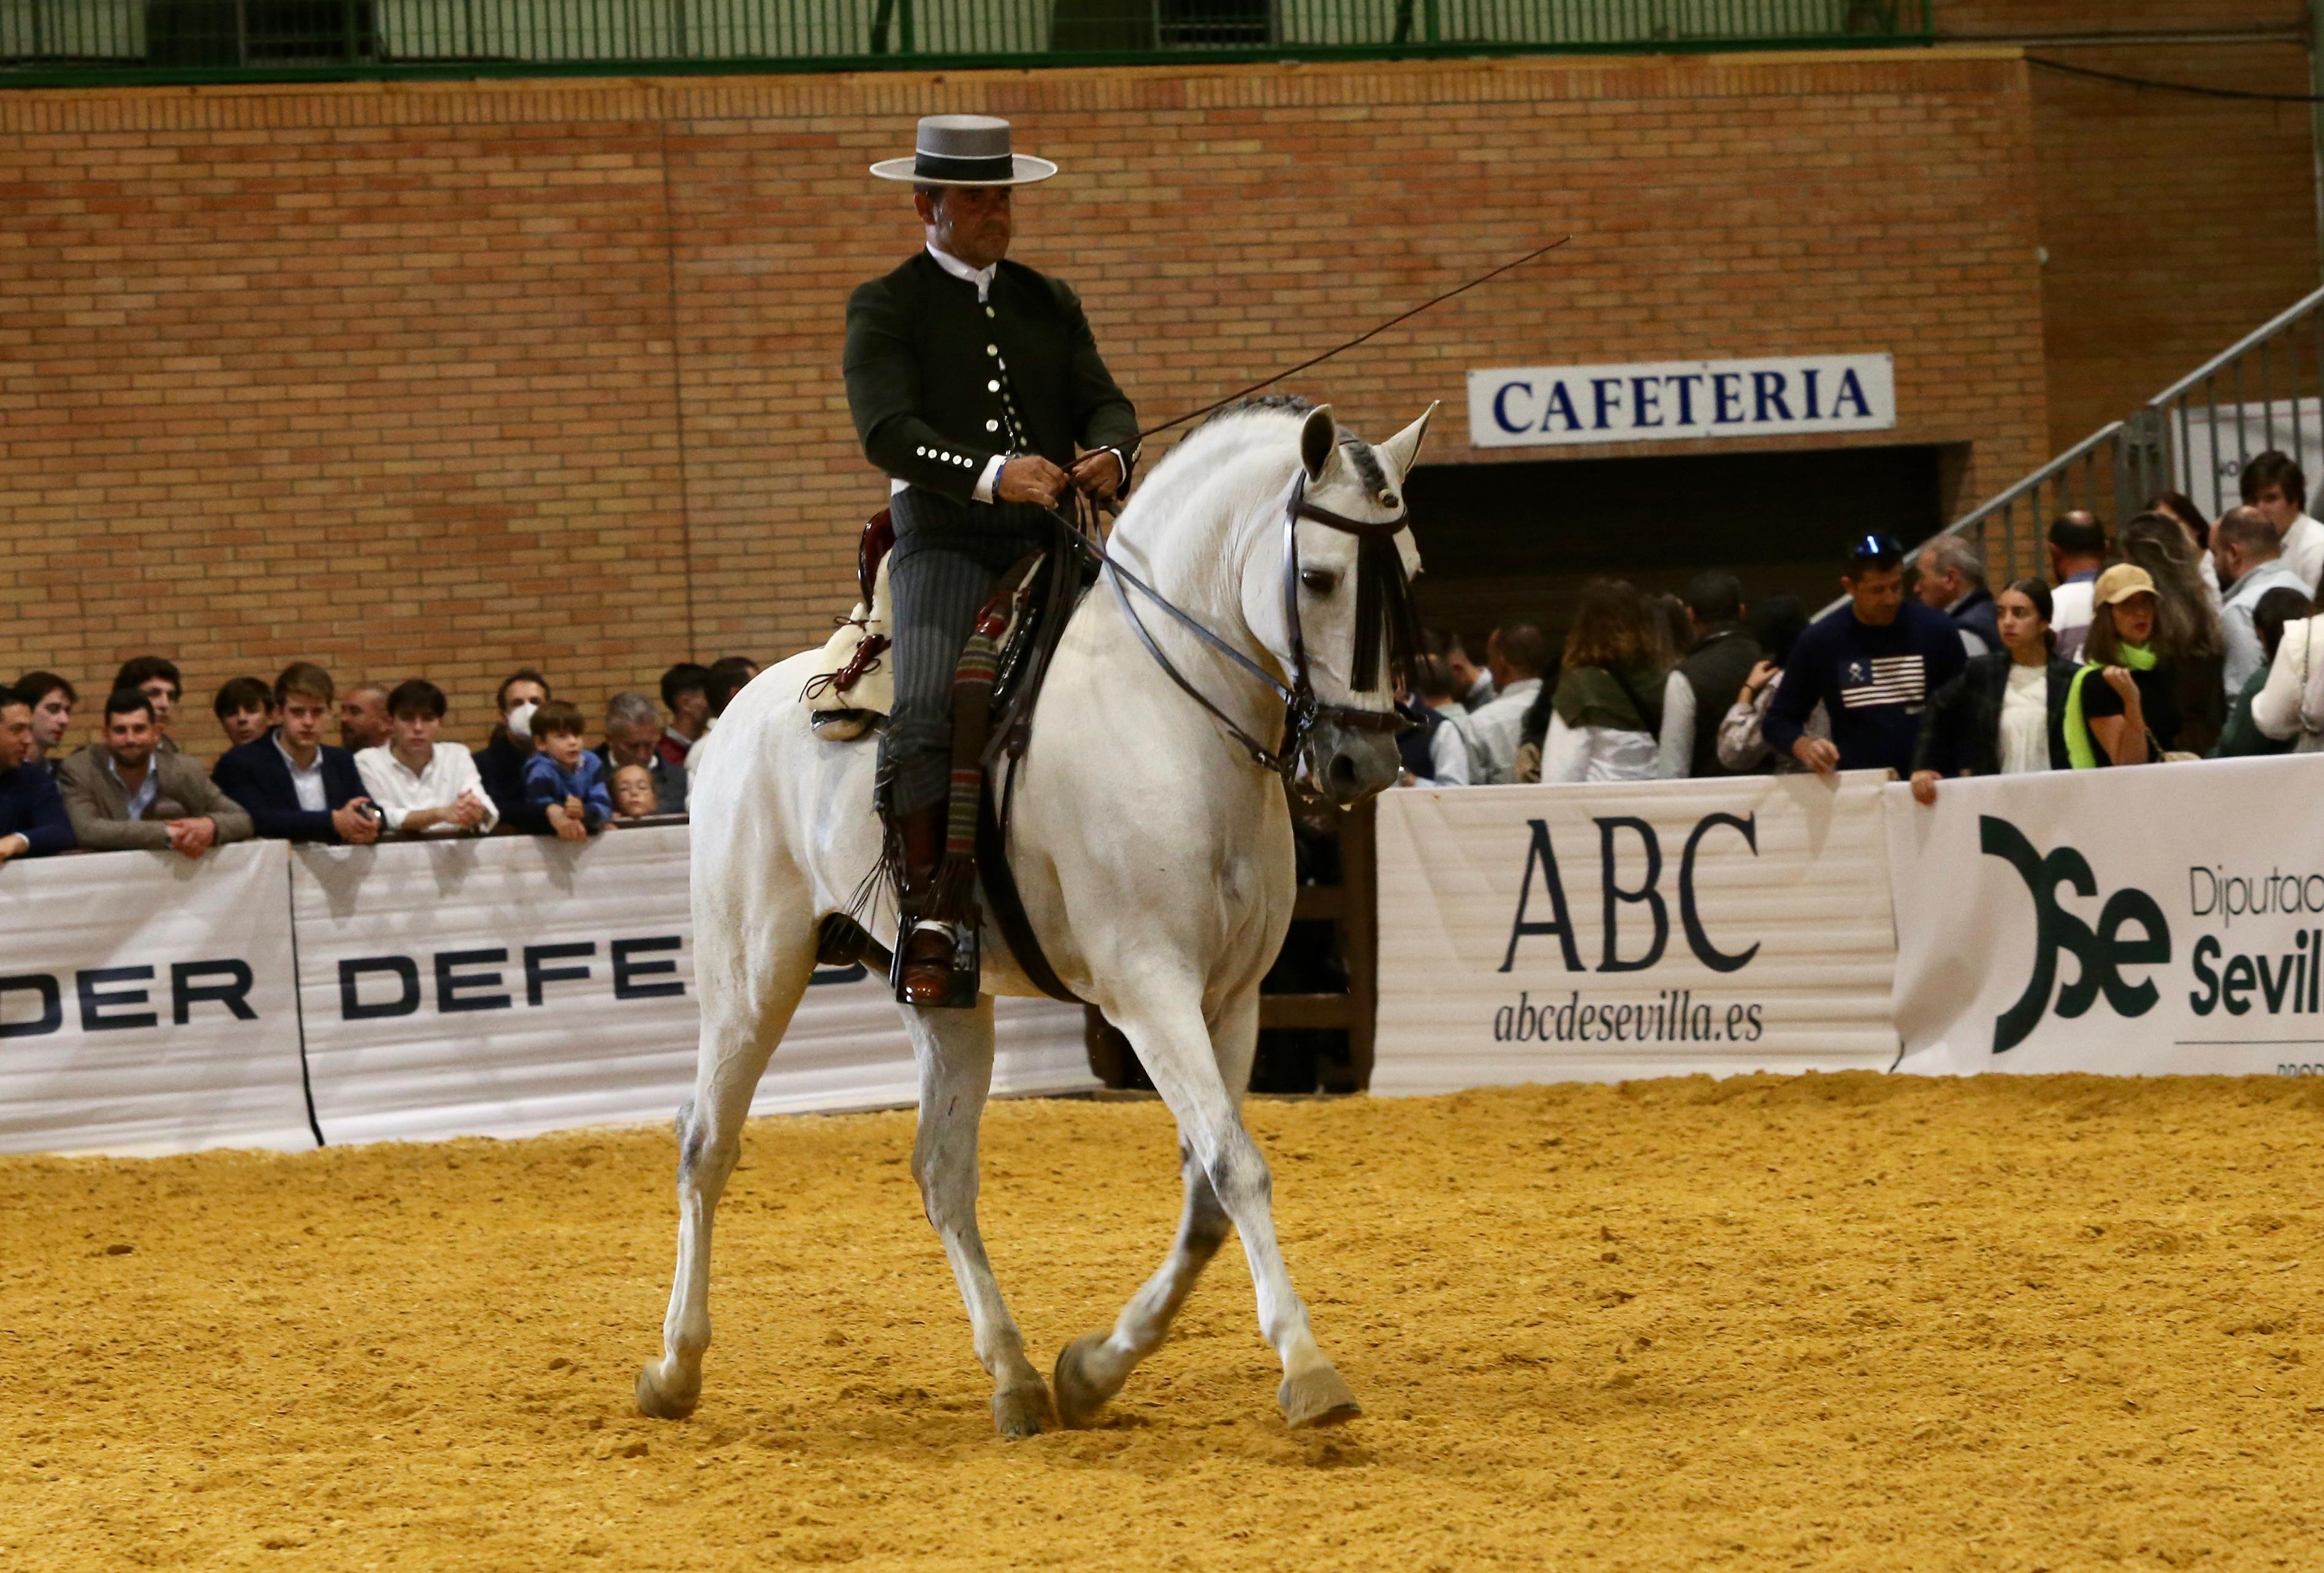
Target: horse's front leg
<point>1175,1045</point>
<point>955,1049</point>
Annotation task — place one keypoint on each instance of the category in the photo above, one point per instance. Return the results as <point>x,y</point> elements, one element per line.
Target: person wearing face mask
<point>2006,714</point>
<point>2121,708</point>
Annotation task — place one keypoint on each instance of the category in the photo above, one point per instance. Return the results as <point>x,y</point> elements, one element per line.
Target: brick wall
<point>2174,224</point>
<point>444,379</point>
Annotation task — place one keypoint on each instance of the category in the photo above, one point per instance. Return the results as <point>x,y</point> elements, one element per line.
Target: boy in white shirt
<point>423,787</point>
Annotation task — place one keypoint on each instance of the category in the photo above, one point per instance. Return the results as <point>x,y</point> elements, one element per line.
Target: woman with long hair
<point>2180,507</point>
<point>2122,708</point>
<point>2006,714</point>
<point>1611,717</point>
<point>1776,622</point>
<point>2187,635</point>
<point>2241,737</point>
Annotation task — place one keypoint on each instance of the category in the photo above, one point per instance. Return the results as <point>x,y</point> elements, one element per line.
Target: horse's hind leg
<point>954,1048</point>
<point>747,1000</point>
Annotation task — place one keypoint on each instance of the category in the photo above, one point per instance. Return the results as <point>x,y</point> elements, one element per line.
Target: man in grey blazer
<point>121,792</point>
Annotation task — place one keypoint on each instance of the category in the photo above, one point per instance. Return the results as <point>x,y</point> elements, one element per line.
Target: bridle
<point>1384,613</point>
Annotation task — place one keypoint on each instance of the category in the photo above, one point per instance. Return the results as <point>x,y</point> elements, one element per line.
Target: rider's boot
<point>925,940</point>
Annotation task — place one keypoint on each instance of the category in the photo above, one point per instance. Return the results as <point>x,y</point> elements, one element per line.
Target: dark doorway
<point>1502,541</point>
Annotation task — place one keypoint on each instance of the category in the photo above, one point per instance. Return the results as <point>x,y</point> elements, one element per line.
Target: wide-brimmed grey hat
<point>965,150</point>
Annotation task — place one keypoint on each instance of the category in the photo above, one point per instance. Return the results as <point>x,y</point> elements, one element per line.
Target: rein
<point>1383,610</point>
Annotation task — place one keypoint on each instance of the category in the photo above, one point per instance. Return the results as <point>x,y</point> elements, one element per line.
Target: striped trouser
<point>947,558</point>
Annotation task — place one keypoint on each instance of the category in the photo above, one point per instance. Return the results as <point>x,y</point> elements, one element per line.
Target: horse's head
<point>1337,603</point>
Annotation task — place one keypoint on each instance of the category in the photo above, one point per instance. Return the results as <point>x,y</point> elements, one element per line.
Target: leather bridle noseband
<point>1383,602</point>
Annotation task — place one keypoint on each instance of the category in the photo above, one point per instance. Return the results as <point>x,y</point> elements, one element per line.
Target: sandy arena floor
<point>1840,1321</point>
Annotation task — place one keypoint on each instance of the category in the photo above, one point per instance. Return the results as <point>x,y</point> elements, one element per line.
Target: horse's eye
<point>1319,581</point>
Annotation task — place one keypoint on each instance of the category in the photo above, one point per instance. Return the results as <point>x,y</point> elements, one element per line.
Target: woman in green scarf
<point>1611,717</point>
<point>2123,708</point>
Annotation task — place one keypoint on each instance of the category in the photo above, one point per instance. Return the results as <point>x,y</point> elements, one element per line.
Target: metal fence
<point>2266,390</point>
<point>52,42</point>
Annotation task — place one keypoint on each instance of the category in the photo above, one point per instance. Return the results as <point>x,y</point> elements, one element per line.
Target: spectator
<point>634,793</point>
<point>685,694</point>
<point>33,819</point>
<point>564,781</point>
<point>729,675</point>
<point>1776,624</point>
<point>2187,634</point>
<point>2077,546</point>
<point>1472,684</point>
<point>1617,713</point>
<point>2121,709</point>
<point>2006,714</point>
<point>2241,737</point>
<point>2273,483</point>
<point>1872,665</point>
<point>2290,704</point>
<point>53,700</point>
<point>1449,736</point>
<point>2248,551</point>
<point>156,678</point>
<point>502,764</point>
<point>1517,654</point>
<point>1952,578</point>
<point>632,731</point>
<point>122,792</point>
<point>297,787</point>
<point>363,722</point>
<point>2180,506</point>
<point>1719,660</point>
<point>424,787</point>
<point>245,707</point>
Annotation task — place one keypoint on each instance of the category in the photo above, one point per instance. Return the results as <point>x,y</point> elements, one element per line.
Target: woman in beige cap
<point>2122,709</point>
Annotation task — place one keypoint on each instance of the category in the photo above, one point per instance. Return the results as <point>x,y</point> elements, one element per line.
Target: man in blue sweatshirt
<point>1872,665</point>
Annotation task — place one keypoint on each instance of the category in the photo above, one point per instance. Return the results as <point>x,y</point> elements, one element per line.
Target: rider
<point>977,388</point>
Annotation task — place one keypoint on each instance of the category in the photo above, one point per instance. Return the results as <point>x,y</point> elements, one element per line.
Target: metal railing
<point>74,42</point>
<point>2263,391</point>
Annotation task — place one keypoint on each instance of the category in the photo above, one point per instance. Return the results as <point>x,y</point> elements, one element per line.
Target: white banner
<point>1656,400</point>
<point>146,1004</point>
<point>1562,934</point>
<point>2167,920</point>
<point>510,986</point>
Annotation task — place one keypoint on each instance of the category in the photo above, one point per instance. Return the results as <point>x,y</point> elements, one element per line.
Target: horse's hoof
<point>1022,1412</point>
<point>656,1402</point>
<point>1316,1398</point>
<point>1079,1396</point>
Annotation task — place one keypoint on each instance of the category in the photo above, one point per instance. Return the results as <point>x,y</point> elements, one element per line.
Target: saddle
<point>995,689</point>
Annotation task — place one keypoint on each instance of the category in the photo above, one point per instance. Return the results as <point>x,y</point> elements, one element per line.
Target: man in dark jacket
<point>1951,577</point>
<point>296,787</point>
<point>977,388</point>
<point>33,820</point>
<point>1872,665</point>
<point>1717,664</point>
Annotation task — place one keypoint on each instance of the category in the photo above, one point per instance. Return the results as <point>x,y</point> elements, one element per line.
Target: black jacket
<point>1976,613</point>
<point>1962,728</point>
<point>500,769</point>
<point>936,380</point>
<point>258,778</point>
<point>1716,670</point>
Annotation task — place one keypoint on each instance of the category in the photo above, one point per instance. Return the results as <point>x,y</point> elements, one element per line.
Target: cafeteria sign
<point>1657,400</point>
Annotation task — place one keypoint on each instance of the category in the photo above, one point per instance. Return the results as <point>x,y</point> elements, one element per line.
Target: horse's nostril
<point>1343,770</point>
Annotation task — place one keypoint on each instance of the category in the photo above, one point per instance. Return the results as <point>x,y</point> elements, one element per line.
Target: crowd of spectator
<point>391,773</point>
<point>2181,638</point>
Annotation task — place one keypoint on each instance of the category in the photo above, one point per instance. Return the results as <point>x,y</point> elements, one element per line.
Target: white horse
<point>1155,859</point>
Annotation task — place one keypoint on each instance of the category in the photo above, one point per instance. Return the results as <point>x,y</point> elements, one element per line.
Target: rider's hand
<point>1097,474</point>
<point>1030,478</point>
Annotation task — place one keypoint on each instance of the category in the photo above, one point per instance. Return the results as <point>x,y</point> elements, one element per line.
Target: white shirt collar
<point>980,277</point>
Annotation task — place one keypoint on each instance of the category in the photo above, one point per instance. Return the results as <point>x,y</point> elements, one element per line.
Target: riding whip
<point>1359,338</point>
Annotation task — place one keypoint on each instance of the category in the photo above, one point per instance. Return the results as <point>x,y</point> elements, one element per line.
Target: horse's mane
<point>1237,420</point>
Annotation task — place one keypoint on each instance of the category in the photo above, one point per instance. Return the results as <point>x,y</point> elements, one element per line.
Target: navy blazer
<point>30,807</point>
<point>257,777</point>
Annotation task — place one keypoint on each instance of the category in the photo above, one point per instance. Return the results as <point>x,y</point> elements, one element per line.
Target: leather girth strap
<point>1007,904</point>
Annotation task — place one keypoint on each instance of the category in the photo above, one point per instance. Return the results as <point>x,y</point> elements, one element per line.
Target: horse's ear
<point>1404,445</point>
<point>1319,438</point>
